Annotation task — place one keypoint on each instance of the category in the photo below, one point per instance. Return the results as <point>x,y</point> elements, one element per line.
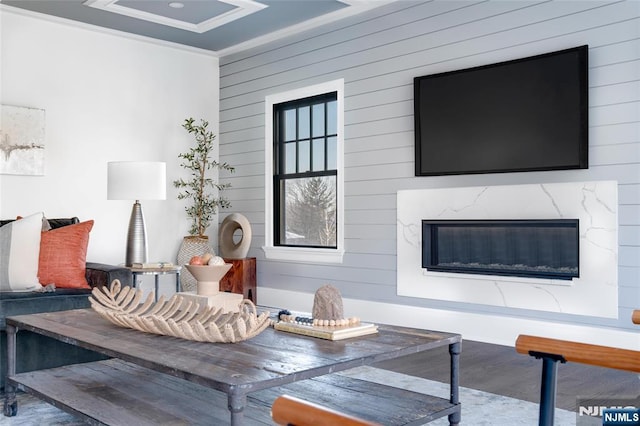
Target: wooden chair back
<point>601,356</point>
<point>552,351</point>
<point>291,411</point>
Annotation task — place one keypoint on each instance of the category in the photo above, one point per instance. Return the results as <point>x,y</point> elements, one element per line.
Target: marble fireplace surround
<point>595,204</point>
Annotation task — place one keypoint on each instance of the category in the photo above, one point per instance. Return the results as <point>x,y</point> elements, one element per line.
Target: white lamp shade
<point>136,180</point>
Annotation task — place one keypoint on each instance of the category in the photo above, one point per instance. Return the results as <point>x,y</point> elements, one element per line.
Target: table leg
<point>157,285</point>
<point>454,351</point>
<point>10,401</point>
<point>237,402</point>
<point>178,282</point>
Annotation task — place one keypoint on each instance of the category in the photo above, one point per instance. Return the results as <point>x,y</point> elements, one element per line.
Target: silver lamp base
<point>137,251</point>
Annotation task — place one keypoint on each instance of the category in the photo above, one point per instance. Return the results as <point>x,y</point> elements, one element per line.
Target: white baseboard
<point>487,328</point>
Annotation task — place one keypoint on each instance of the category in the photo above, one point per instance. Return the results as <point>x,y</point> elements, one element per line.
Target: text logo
<point>621,417</point>
<point>608,411</point>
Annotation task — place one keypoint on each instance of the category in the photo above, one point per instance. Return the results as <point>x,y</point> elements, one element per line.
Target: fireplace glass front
<point>521,248</point>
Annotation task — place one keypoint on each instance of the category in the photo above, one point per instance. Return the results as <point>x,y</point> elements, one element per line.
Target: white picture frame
<point>22,140</point>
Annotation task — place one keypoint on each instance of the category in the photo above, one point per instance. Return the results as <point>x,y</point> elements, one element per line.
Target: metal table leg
<point>157,284</point>
<point>454,351</point>
<point>237,402</point>
<point>10,401</point>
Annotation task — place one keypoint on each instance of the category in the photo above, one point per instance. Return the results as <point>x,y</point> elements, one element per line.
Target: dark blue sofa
<point>35,351</point>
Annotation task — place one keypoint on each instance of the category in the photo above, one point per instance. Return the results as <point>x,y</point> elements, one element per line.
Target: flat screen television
<point>527,114</point>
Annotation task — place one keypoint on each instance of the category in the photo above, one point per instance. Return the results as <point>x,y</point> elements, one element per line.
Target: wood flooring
<point>501,370</point>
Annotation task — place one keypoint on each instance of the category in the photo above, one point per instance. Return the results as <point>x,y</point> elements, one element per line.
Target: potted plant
<point>202,190</point>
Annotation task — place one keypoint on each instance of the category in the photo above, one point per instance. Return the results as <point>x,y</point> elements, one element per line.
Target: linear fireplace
<point>595,204</point>
<point>520,248</point>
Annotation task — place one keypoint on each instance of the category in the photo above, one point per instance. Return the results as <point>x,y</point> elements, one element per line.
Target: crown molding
<point>95,28</point>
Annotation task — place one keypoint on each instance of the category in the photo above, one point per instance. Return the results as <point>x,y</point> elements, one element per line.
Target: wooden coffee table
<point>155,379</point>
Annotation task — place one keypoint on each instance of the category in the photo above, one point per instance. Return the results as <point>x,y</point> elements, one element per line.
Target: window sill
<point>298,254</point>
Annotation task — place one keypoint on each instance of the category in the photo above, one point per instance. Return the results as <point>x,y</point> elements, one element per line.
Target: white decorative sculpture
<point>177,317</point>
<point>229,249</point>
<point>208,288</point>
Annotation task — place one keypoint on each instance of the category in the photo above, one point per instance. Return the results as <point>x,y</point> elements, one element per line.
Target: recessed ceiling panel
<point>192,15</point>
<point>193,12</point>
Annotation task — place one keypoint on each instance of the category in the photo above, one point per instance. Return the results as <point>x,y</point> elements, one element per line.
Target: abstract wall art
<point>21,140</point>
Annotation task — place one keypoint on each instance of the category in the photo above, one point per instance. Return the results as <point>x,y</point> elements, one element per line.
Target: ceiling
<point>219,26</point>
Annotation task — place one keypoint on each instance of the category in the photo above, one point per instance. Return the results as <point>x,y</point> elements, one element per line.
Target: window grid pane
<point>304,156</point>
<point>304,122</point>
<point>310,212</point>
<point>290,125</point>
<point>332,118</point>
<point>318,155</point>
<point>290,157</point>
<point>332,153</point>
<point>318,120</point>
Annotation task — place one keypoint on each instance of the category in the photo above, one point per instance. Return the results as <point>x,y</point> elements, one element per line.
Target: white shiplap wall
<point>378,55</point>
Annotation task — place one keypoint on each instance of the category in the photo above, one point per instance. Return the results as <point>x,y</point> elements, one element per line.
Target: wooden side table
<point>156,272</point>
<point>241,278</point>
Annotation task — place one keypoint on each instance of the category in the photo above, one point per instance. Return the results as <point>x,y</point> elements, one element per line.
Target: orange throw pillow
<point>63,256</point>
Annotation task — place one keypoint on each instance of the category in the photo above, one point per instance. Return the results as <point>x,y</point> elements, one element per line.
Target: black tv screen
<point>522,115</point>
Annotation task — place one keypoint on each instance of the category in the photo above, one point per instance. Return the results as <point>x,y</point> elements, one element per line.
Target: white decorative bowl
<point>208,277</point>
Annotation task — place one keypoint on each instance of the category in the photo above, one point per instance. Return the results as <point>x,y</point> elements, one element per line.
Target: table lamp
<point>136,180</point>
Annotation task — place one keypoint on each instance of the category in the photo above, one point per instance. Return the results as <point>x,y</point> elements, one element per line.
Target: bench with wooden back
<point>553,350</point>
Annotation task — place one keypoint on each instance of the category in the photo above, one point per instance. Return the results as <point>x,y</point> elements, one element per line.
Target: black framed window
<point>305,172</point>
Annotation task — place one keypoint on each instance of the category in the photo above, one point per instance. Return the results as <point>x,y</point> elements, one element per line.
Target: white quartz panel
<point>595,204</point>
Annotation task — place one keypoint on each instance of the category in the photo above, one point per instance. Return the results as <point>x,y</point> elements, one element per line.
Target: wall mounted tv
<point>522,115</point>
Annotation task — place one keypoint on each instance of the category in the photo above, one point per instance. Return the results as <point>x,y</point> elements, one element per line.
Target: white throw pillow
<point>19,254</point>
